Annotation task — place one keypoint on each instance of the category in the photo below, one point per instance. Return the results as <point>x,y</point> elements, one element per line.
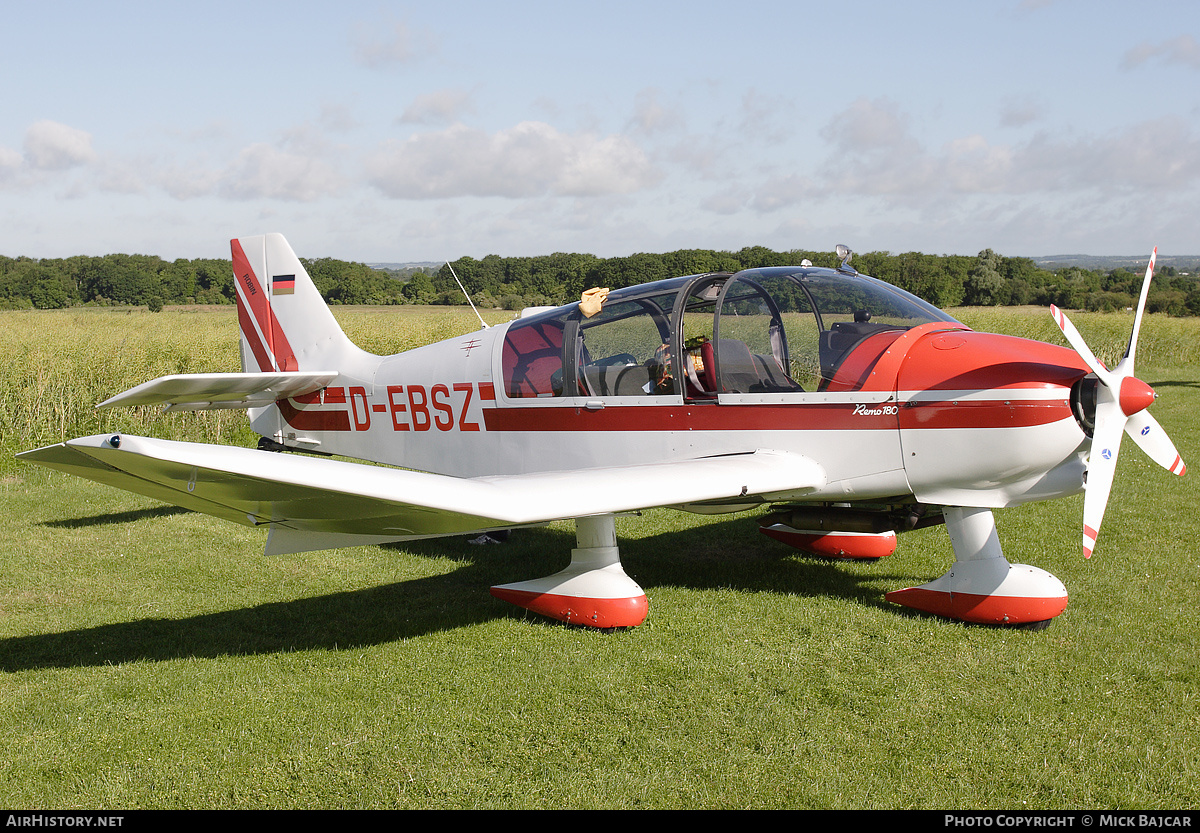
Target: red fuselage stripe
<point>313,420</point>
<point>771,417</point>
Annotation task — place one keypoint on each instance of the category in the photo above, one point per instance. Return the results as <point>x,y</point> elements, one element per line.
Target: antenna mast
<point>468,297</point>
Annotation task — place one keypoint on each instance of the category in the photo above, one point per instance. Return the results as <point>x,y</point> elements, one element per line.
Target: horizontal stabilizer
<point>206,391</point>
<point>306,494</point>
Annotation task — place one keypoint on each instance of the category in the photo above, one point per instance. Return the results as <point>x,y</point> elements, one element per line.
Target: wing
<point>203,391</point>
<point>313,503</point>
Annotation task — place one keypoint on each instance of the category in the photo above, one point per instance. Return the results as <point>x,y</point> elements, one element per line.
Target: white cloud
<point>188,182</point>
<point>971,165</point>
<point>782,192</point>
<point>10,163</point>
<point>651,115</point>
<point>1182,51</point>
<point>1161,154</point>
<point>390,44</point>
<point>441,107</point>
<point>336,117</point>
<point>51,146</point>
<point>530,159</point>
<point>1047,192</point>
<point>867,126</point>
<point>611,165</point>
<point>728,201</point>
<point>875,155</point>
<point>121,177</point>
<point>1019,112</point>
<point>265,172</point>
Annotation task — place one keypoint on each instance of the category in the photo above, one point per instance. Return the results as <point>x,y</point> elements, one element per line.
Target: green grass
<point>152,658</point>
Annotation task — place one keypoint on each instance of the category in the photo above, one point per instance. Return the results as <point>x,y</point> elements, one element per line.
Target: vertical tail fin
<point>284,322</point>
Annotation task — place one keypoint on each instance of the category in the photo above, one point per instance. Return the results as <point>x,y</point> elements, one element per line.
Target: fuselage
<point>890,396</point>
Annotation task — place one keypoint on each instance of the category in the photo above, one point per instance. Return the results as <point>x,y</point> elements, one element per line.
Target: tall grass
<point>387,330</point>
<point>1163,340</point>
<point>62,363</point>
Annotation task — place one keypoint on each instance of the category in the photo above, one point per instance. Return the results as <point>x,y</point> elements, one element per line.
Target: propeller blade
<point>1144,430</point>
<point>1126,365</point>
<point>1102,465</point>
<point>1121,400</point>
<point>1077,342</point>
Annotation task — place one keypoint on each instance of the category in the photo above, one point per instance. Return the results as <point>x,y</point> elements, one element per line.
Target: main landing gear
<point>981,587</point>
<point>593,590</point>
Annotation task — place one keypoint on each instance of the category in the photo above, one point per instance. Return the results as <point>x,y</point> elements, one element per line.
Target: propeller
<point>1121,402</point>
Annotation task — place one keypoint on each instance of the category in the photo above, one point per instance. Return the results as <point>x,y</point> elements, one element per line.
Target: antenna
<point>468,297</point>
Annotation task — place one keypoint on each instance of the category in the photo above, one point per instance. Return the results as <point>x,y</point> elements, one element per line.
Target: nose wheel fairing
<point>982,587</point>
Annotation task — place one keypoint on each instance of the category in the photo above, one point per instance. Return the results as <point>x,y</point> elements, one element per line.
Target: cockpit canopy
<point>774,330</point>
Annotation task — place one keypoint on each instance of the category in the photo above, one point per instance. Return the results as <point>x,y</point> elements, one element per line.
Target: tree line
<point>986,279</point>
<point>150,281</point>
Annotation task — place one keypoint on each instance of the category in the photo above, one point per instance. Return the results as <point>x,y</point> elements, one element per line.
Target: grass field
<point>154,658</point>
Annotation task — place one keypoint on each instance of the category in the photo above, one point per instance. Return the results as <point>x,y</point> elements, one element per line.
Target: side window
<point>802,330</point>
<point>771,339</point>
<point>624,350</point>
<point>753,338</point>
<point>533,357</point>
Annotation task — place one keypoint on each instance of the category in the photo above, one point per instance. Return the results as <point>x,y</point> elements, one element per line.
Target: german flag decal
<point>283,285</point>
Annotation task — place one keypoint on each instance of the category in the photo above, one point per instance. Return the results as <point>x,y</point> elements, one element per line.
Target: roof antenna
<point>464,292</point>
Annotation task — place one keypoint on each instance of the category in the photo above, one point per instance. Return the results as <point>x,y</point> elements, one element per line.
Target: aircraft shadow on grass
<point>1182,383</point>
<point>724,555</point>
<point>117,517</point>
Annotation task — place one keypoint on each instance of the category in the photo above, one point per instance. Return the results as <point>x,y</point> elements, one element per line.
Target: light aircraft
<point>849,409</point>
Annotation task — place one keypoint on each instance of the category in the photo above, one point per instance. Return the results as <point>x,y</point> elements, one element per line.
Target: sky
<point>400,132</point>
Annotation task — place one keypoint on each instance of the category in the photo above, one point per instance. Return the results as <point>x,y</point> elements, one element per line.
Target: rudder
<point>284,322</point>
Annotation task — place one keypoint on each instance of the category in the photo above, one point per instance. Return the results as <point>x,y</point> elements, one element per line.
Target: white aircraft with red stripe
<point>846,408</point>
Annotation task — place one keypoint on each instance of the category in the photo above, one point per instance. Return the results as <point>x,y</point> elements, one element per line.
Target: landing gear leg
<point>982,587</point>
<point>593,591</point>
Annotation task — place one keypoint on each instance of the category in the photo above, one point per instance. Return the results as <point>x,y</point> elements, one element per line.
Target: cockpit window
<point>777,330</point>
<point>783,329</point>
<point>623,350</point>
<point>753,345</point>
